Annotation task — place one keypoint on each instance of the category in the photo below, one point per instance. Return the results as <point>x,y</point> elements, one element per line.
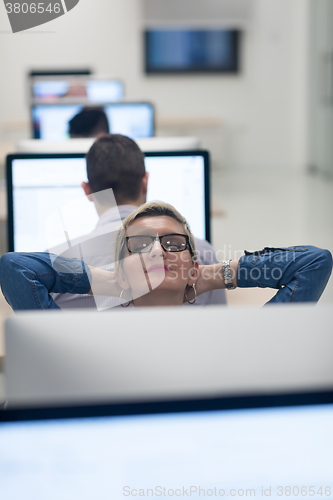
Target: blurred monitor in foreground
<point>83,356</point>
<point>272,447</point>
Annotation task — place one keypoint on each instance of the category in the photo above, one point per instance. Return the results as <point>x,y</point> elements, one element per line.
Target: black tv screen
<point>189,50</point>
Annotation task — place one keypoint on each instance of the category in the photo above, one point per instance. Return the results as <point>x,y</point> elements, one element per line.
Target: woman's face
<point>156,269</point>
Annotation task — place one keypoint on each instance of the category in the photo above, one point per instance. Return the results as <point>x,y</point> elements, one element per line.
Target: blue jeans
<point>27,279</point>
<point>299,273</point>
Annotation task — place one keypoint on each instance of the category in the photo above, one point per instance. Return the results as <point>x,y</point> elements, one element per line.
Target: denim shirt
<point>299,273</point>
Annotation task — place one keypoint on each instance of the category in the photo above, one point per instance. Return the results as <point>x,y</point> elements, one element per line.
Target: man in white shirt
<point>116,162</point>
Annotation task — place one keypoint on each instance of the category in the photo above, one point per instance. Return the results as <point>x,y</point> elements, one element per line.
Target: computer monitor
<point>93,89</point>
<point>237,447</point>
<point>38,185</point>
<point>81,357</point>
<point>134,119</point>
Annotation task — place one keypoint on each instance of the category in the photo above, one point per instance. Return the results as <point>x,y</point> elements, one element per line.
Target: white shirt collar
<point>115,214</point>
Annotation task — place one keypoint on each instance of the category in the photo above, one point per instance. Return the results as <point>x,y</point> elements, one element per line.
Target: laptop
<point>145,354</point>
<point>228,447</point>
<point>134,119</point>
<point>40,184</point>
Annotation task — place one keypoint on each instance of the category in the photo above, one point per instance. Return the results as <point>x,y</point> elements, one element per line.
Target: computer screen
<point>277,452</point>
<point>38,185</point>
<point>94,90</point>
<point>136,120</point>
<point>192,50</point>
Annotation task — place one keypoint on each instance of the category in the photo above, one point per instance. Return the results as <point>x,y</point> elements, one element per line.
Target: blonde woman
<point>156,265</point>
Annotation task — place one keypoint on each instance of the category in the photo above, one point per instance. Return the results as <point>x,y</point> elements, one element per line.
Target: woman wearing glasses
<point>156,265</point>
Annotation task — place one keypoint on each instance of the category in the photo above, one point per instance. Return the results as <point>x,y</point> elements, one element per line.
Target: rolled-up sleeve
<point>300,273</point>
<point>27,279</point>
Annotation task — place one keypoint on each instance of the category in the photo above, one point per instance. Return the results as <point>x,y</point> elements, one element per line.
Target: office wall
<point>263,110</point>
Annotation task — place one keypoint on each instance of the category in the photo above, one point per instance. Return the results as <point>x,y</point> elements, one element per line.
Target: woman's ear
<point>122,280</point>
<point>193,274</point>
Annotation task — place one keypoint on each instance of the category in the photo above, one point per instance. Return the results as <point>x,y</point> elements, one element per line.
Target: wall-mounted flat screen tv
<point>192,50</point>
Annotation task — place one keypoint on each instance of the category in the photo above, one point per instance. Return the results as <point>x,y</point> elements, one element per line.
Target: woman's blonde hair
<point>152,209</point>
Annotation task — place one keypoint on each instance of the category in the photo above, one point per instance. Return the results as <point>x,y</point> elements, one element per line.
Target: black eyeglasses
<point>169,242</point>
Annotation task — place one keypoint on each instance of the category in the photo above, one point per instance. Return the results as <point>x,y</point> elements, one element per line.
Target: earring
<point>124,304</point>
<point>195,294</point>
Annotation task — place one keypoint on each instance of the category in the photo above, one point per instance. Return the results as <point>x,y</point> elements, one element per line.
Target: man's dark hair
<point>89,123</point>
<point>116,161</point>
